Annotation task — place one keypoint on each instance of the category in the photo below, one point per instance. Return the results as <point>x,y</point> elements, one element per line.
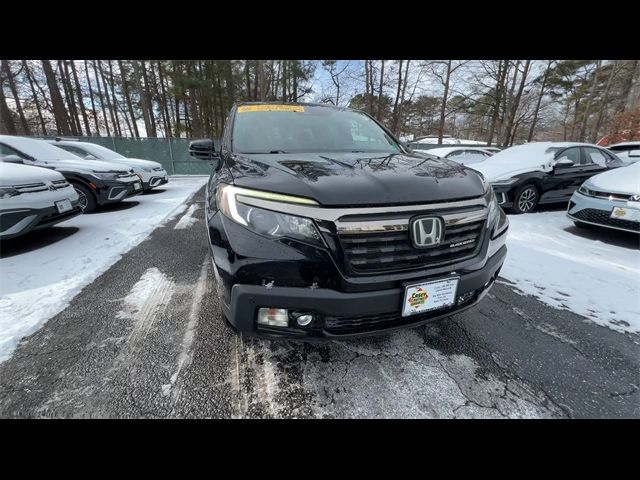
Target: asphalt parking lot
<point>146,339</point>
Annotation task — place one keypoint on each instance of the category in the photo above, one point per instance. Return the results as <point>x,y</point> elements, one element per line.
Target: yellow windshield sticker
<point>270,108</point>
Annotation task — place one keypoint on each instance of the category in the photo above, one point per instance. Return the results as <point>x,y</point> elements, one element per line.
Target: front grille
<point>610,196</point>
<point>372,252</point>
<point>602,217</point>
<point>31,187</point>
<point>55,216</point>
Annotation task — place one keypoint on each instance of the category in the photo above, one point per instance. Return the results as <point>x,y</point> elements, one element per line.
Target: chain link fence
<point>172,153</point>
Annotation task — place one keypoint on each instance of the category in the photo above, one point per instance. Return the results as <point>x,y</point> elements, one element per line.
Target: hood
<point>625,180</point>
<point>135,162</point>
<point>82,166</point>
<point>493,172</point>
<point>349,179</point>
<point>15,174</point>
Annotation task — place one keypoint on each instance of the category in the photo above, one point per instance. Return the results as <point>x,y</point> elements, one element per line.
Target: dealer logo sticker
<point>417,298</point>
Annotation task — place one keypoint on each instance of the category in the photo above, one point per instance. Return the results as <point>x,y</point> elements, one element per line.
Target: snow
<point>592,273</point>
<point>40,283</point>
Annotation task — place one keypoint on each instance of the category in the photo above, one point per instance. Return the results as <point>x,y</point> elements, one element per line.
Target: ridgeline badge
<point>418,297</point>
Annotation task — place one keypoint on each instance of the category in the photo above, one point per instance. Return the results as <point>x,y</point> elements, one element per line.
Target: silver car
<point>610,199</point>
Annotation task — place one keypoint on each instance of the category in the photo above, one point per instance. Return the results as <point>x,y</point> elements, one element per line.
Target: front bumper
<point>154,179</point>
<point>597,211</point>
<point>116,191</point>
<point>18,222</point>
<point>340,314</point>
<point>503,195</point>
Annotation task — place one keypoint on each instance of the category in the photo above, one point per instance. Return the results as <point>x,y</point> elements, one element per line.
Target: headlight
<point>497,220</point>
<point>104,175</point>
<point>585,191</point>
<point>505,183</point>
<point>271,224</point>
<point>8,192</point>
<point>147,169</point>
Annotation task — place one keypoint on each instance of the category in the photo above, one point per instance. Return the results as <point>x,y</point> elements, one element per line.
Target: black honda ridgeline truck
<point>322,224</point>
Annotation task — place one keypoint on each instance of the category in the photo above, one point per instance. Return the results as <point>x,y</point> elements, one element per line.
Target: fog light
<point>275,317</point>
<point>465,297</point>
<point>304,320</point>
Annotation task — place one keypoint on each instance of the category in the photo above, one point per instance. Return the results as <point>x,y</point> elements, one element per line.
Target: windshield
<point>302,128</point>
<point>100,152</point>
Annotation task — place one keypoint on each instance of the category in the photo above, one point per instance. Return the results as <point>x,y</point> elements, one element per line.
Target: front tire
<point>86,198</point>
<point>525,199</point>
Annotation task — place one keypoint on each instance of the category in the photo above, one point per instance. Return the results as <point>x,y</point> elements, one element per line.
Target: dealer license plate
<point>434,295</point>
<point>623,213</point>
<point>64,206</point>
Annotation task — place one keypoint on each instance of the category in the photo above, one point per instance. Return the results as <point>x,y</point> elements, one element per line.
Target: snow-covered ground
<point>36,285</point>
<point>592,273</point>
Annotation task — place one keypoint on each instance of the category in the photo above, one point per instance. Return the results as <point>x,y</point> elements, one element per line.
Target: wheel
<point>525,199</point>
<point>86,198</point>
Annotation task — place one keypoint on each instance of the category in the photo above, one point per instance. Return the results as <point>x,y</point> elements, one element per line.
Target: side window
<point>572,154</point>
<point>594,155</point>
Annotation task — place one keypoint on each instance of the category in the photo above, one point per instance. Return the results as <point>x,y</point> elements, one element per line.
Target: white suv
<point>32,198</point>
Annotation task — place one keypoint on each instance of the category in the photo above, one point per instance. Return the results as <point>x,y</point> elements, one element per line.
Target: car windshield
<point>38,149</point>
<point>268,128</point>
<point>100,152</point>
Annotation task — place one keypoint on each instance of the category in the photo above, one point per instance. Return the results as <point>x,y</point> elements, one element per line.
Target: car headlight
<point>506,182</point>
<point>269,223</point>
<point>496,220</point>
<point>147,169</point>
<point>104,175</point>
<point>8,192</point>
<point>585,191</point>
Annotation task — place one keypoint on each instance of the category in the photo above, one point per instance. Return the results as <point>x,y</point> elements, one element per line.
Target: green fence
<point>172,153</point>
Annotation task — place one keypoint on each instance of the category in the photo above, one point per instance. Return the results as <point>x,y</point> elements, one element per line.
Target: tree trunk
<point>127,98</point>
<point>59,112</point>
<point>501,76</point>
<point>35,96</point>
<point>16,98</point>
<point>114,99</point>
<point>603,105</point>
<point>539,101</point>
<point>140,76</point>
<point>70,110</point>
<point>99,93</point>
<point>85,119</point>
<point>587,110</point>
<point>112,111</point>
<point>516,104</point>
<point>93,104</point>
<point>379,115</point>
<point>74,107</point>
<point>7,125</point>
<point>443,108</point>
<point>163,96</point>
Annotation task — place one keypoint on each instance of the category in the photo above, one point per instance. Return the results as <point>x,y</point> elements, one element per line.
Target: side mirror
<point>203,149</point>
<point>12,159</point>
<point>565,162</point>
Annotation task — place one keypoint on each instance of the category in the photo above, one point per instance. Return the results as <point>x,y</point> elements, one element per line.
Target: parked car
<point>321,224</point>
<point>525,176</point>
<point>628,152</point>
<point>151,173</point>
<point>32,198</point>
<point>610,199</point>
<point>463,155</point>
<point>96,182</point>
